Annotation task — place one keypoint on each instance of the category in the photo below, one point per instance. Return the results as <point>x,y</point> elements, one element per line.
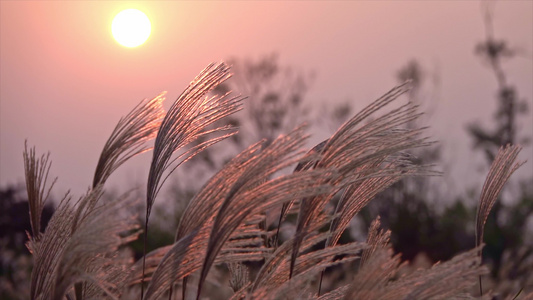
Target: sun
<point>131,27</point>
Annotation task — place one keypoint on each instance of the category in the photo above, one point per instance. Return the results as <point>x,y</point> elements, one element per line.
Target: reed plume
<point>129,137</point>
<point>501,169</point>
<point>36,173</point>
<point>185,122</point>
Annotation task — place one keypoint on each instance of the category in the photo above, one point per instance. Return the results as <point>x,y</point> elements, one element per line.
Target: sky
<point>65,82</point>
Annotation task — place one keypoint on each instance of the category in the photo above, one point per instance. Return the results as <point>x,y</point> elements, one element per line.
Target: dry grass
<point>81,253</point>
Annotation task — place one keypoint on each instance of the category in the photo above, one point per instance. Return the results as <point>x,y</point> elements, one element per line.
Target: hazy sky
<point>64,81</point>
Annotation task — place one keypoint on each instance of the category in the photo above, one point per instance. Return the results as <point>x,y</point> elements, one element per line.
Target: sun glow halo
<point>131,28</point>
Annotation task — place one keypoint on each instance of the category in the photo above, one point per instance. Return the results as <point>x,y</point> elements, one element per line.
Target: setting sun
<point>131,28</point>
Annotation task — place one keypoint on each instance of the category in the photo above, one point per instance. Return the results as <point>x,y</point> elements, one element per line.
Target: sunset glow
<point>82,80</point>
<point>131,28</point>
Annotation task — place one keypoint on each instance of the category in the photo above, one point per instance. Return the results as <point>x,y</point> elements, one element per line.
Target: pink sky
<point>64,81</point>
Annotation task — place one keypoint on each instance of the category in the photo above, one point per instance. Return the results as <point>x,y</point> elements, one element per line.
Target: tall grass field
<point>226,245</point>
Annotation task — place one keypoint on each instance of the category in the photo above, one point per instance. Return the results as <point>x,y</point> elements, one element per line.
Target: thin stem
<point>320,282</point>
<point>144,254</point>
<point>480,287</point>
<point>277,231</point>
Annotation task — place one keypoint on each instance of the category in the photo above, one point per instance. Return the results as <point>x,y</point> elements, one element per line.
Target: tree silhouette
<point>494,52</point>
<point>500,235</point>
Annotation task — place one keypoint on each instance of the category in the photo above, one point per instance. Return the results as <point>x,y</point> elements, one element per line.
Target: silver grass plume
<point>309,265</point>
<point>44,247</point>
<point>238,276</point>
<point>47,250</point>
<point>306,164</point>
<point>366,151</point>
<point>203,207</point>
<point>64,257</point>
<point>447,280</point>
<point>372,279</point>
<point>201,210</point>
<point>248,242</point>
<point>377,266</point>
<point>89,256</point>
<point>171,263</point>
<point>234,197</point>
<point>185,122</point>
<point>275,269</point>
<point>273,280</point>
<point>36,173</point>
<point>376,239</point>
<point>240,183</point>
<point>129,137</point>
<point>251,194</point>
<point>199,215</point>
<point>501,169</point>
<point>182,259</point>
<point>117,268</point>
<point>358,195</point>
